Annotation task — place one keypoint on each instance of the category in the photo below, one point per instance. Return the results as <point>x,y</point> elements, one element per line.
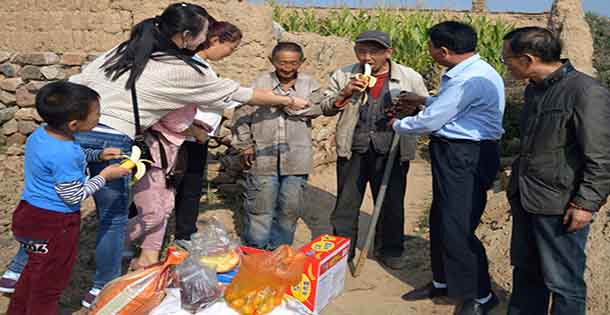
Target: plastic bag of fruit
<point>262,279</point>
<point>214,247</point>
<point>138,292</point>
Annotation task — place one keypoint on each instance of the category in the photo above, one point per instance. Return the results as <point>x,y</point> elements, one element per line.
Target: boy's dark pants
<point>51,240</point>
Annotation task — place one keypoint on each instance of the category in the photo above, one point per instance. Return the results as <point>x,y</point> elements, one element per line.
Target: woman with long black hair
<point>156,61</point>
<point>155,67</point>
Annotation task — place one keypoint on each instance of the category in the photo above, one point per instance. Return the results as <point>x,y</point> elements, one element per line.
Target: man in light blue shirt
<point>469,104</point>
<point>464,122</point>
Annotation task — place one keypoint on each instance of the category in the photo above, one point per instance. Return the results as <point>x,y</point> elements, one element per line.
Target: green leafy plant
<point>600,29</point>
<point>407,29</point>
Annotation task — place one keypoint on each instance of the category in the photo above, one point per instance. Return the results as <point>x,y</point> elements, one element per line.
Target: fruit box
<point>324,275</point>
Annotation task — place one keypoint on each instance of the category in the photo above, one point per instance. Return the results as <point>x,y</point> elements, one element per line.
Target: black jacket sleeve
<point>592,128</point>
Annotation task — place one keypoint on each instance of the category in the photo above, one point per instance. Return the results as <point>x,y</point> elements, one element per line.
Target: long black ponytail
<point>152,38</point>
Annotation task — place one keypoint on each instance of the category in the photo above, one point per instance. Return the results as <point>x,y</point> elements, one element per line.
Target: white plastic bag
<point>212,240</point>
<point>214,247</point>
<point>171,306</point>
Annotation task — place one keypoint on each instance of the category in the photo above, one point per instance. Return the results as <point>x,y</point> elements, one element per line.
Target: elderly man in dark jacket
<point>562,175</point>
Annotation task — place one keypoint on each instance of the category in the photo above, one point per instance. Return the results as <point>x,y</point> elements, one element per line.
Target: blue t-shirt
<point>49,161</point>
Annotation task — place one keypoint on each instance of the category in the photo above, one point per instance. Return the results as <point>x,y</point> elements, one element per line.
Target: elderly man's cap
<point>379,37</point>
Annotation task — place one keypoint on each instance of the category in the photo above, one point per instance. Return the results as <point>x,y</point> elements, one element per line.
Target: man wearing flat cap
<point>363,142</point>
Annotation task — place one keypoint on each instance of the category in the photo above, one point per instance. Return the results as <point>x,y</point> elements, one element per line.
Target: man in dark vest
<point>364,139</point>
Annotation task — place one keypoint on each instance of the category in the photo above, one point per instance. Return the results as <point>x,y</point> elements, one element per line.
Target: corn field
<point>408,31</point>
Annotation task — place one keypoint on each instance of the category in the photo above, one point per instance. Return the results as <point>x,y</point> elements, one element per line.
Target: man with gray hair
<point>561,177</point>
<point>276,149</point>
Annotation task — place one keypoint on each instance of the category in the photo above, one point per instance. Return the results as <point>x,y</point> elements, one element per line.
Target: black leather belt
<point>447,140</point>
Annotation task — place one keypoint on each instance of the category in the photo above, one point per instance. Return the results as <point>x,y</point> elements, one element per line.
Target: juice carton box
<point>324,275</point>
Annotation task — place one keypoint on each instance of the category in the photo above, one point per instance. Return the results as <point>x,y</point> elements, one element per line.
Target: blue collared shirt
<point>469,105</point>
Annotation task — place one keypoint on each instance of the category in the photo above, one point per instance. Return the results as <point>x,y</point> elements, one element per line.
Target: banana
<point>134,161</point>
<point>368,79</point>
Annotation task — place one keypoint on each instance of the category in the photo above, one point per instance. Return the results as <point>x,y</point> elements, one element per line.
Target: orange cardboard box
<point>325,270</point>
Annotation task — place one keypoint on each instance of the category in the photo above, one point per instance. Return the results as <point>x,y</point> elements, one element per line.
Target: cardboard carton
<point>325,270</point>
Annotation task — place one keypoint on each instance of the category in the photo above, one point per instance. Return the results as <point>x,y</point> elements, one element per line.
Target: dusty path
<point>377,290</point>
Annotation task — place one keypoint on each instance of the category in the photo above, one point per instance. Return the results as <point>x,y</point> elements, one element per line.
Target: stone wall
<point>21,76</point>
<point>567,20</point>
<point>57,52</point>
<point>91,26</point>
<point>44,40</point>
<point>478,6</point>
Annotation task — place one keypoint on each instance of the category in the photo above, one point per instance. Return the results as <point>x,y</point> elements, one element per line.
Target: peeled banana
<point>134,160</point>
<point>368,79</point>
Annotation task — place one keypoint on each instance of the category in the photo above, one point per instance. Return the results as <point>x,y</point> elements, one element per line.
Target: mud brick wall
<point>46,40</point>
<point>92,26</point>
<point>21,76</point>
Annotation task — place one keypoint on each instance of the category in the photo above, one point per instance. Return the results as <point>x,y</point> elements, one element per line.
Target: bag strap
<point>162,153</point>
<point>136,112</point>
<point>139,135</point>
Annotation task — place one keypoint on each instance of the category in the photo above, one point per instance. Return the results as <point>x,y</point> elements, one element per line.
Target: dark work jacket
<point>565,144</point>
<point>372,130</point>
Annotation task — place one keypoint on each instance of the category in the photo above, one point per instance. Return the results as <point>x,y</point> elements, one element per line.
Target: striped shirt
<point>53,165</point>
<point>74,192</point>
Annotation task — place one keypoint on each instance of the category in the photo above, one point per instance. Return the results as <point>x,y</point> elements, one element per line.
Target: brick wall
<point>21,76</point>
<point>46,40</point>
<point>96,25</point>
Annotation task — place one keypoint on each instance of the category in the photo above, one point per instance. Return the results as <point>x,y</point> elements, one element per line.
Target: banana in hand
<point>368,79</point>
<point>134,161</point>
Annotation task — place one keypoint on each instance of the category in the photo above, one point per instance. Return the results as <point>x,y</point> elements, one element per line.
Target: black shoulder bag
<point>174,176</point>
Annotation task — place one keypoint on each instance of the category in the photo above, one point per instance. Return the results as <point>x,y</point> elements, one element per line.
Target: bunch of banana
<point>134,161</point>
<point>368,79</point>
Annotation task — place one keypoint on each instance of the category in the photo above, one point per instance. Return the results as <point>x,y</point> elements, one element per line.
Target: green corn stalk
<point>407,29</point>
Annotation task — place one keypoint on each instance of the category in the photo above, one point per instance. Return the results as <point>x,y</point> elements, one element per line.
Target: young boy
<point>47,220</point>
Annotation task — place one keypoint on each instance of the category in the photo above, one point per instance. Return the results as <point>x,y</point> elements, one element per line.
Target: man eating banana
<point>361,94</point>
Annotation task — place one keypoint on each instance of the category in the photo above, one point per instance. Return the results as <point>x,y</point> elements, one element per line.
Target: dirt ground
<point>377,290</point>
